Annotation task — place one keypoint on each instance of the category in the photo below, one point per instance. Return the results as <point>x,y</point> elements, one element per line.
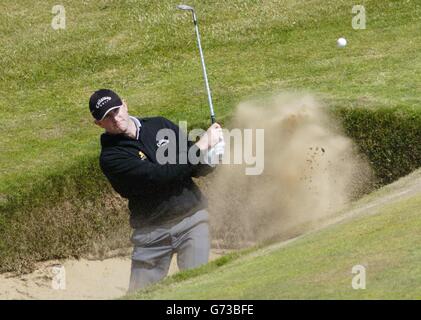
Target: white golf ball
<point>341,42</point>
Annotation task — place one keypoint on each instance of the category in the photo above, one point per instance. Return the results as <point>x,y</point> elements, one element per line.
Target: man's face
<point>116,121</point>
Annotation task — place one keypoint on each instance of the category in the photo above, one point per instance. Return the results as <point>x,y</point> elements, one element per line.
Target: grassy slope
<point>147,53</point>
<point>385,239</point>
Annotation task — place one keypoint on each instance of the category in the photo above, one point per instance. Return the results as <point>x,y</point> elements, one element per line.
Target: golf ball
<point>341,42</point>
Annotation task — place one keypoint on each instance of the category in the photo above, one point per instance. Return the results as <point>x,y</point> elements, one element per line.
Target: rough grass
<point>146,51</point>
<point>389,137</point>
<point>384,239</point>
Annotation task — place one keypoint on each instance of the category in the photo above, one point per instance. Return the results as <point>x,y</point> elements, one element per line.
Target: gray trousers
<point>154,247</point>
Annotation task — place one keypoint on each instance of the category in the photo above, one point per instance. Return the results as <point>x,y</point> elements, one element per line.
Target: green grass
<point>147,53</point>
<point>386,241</point>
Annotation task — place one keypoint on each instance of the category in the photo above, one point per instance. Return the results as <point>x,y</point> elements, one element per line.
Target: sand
<point>311,170</point>
<point>85,279</point>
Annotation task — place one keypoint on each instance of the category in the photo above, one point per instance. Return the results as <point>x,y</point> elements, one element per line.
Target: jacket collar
<point>138,126</point>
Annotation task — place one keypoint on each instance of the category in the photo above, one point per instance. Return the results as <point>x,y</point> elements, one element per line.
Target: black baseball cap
<point>102,102</point>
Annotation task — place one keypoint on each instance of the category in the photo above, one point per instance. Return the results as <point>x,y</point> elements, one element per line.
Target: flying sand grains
<point>311,170</point>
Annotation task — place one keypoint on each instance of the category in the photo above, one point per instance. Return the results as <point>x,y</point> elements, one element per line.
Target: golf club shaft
<point>205,76</point>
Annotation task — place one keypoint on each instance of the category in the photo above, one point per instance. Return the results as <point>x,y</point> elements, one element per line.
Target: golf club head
<point>184,7</point>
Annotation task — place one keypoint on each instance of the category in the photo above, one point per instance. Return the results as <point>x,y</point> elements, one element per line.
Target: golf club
<point>205,76</point>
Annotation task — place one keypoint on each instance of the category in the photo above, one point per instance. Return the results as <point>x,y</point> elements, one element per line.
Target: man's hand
<point>219,148</point>
<point>212,136</point>
<point>214,155</point>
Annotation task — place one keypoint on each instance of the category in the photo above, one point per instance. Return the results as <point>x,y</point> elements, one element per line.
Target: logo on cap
<point>102,101</point>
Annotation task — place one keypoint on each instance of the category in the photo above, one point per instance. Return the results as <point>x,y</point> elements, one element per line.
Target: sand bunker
<point>84,279</point>
<point>311,170</point>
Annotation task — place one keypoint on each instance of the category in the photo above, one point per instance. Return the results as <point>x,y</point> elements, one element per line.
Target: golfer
<point>167,210</point>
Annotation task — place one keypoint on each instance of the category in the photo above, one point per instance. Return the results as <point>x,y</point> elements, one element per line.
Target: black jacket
<point>157,193</point>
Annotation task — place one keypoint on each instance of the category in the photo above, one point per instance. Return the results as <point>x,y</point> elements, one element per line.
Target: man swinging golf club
<point>167,210</point>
